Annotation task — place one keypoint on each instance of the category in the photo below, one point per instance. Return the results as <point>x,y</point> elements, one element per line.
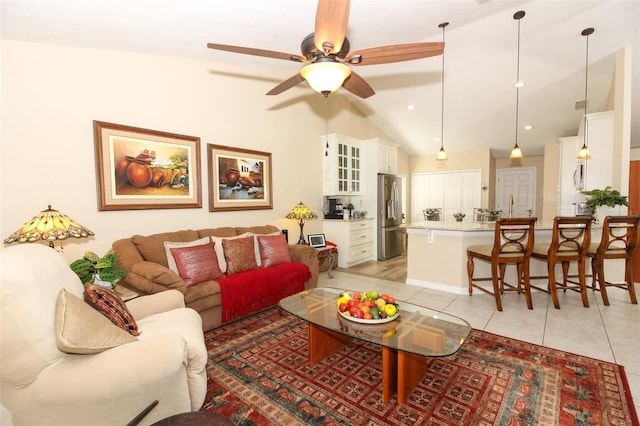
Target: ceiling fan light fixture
<point>325,77</point>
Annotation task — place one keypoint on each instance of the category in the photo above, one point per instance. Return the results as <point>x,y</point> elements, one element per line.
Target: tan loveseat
<point>64,363</point>
<point>145,258</point>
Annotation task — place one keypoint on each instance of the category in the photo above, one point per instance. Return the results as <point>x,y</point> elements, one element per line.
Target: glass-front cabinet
<point>341,165</point>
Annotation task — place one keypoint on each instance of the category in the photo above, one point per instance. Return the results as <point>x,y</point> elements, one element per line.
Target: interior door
<point>516,191</point>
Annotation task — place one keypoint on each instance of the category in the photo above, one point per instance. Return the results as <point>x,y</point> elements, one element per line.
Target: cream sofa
<point>42,385</point>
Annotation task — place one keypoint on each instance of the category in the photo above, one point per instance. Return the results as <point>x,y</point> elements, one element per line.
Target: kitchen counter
<point>437,254</point>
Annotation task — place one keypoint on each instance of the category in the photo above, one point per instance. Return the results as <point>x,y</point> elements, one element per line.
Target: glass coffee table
<point>416,334</point>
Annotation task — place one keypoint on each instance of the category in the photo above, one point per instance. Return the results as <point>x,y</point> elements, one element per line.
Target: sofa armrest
<point>150,277</point>
<point>144,306</point>
<point>309,256</point>
<point>111,387</point>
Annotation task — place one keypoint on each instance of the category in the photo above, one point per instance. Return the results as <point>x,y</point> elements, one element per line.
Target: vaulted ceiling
<point>480,56</point>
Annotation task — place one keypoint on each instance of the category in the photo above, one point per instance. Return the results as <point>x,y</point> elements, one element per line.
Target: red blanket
<point>253,290</point>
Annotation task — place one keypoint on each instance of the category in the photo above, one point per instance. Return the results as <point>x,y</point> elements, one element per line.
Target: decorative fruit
<point>390,309</point>
<point>380,303</point>
<point>372,295</point>
<point>343,307</point>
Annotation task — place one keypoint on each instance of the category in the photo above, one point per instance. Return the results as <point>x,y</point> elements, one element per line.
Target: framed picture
<point>146,169</point>
<point>317,240</point>
<point>239,179</point>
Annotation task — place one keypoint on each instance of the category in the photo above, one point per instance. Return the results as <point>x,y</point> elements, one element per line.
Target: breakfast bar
<point>437,253</point>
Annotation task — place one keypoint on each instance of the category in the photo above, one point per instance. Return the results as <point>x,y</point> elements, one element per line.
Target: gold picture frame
<point>239,179</point>
<point>146,169</point>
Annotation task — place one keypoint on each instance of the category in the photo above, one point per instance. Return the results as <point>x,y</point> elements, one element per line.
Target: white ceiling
<point>480,56</point>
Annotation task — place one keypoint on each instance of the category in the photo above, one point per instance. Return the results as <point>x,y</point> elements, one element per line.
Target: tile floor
<point>610,333</point>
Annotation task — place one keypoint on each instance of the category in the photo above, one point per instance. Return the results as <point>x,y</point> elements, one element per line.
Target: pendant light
<point>584,153</point>
<point>516,152</point>
<point>442,154</point>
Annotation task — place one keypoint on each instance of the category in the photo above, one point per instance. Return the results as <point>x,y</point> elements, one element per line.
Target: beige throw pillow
<point>80,329</point>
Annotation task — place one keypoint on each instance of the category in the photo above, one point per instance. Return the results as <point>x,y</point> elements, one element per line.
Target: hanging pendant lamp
<point>584,153</point>
<point>516,152</point>
<point>442,154</point>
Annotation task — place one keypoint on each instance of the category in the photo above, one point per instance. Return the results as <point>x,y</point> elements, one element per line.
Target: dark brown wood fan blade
<point>332,18</point>
<point>257,52</point>
<point>356,85</point>
<point>396,53</point>
<point>286,85</point>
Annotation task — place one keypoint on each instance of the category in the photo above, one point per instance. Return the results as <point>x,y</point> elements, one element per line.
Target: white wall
<point>52,94</point>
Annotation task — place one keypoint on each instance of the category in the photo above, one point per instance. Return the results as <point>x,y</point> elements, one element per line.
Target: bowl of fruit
<point>367,308</point>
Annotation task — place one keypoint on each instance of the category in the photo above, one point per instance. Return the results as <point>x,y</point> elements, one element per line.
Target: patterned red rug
<point>259,374</point>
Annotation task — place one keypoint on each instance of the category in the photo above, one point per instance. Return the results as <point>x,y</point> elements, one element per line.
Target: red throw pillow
<point>240,255</point>
<point>197,264</point>
<point>274,250</point>
<point>109,304</point>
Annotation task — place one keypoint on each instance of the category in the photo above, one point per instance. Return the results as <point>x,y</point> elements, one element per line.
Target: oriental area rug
<point>259,374</point>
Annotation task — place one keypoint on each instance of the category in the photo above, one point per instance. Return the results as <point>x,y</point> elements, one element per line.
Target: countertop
<point>461,226</point>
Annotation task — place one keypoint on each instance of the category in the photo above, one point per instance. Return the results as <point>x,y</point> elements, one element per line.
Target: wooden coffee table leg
<point>389,373</point>
<point>411,370</point>
<point>323,342</point>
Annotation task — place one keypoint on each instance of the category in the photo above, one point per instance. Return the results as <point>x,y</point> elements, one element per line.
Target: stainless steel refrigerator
<point>389,216</point>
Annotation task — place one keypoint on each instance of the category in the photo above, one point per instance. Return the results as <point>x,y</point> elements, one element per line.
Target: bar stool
<point>619,241</point>
<point>569,243</point>
<point>512,245</point>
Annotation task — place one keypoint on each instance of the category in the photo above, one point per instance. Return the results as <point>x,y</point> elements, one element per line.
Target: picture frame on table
<point>239,179</point>
<point>317,240</point>
<point>146,169</point>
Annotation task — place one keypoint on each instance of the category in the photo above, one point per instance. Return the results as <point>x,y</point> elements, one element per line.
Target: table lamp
<point>49,225</point>
<point>301,212</point>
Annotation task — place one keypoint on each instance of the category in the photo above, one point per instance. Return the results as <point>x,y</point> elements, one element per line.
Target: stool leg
<point>602,281</point>
<point>470,273</point>
<point>582,278</point>
<point>527,286</point>
<point>551,270</point>
<point>496,285</point>
<point>628,263</point>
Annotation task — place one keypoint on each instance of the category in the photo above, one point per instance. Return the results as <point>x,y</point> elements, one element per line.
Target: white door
<point>516,194</point>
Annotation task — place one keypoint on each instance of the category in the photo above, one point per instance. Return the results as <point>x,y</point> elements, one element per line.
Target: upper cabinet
<point>387,155</point>
<point>342,165</point>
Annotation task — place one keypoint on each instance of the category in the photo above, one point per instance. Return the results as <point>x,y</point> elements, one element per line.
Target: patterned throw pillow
<point>239,254</point>
<point>109,304</point>
<point>219,248</point>
<point>197,264</point>
<point>80,329</point>
<point>274,250</point>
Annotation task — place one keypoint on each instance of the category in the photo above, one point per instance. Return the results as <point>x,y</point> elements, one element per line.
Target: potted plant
<point>605,197</point>
<point>101,270</point>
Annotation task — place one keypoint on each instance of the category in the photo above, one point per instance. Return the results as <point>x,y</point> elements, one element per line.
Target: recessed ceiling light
<point>528,127</point>
<point>411,107</point>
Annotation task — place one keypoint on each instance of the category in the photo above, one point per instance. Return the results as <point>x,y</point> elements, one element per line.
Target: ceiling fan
<point>327,54</point>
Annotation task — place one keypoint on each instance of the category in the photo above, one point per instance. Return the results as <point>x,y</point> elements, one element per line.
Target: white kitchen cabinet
<point>451,191</point>
<point>577,175</point>
<point>386,154</point>
<point>341,173</point>
<point>355,240</point>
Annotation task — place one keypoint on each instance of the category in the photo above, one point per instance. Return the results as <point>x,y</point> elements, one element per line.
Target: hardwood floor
<point>394,269</point>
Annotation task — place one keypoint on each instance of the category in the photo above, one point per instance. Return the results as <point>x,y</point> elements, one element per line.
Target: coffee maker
<point>335,208</point>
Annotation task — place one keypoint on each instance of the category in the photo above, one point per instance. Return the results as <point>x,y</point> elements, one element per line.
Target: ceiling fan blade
<point>356,85</point>
<point>286,85</point>
<point>257,52</point>
<point>395,53</point>
<point>332,18</point>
